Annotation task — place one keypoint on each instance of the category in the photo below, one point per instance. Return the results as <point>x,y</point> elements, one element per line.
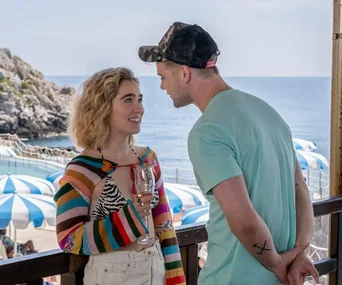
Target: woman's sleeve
<point>79,235</point>
<point>166,233</point>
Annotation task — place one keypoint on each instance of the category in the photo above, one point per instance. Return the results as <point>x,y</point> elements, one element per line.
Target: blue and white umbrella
<point>311,160</point>
<point>55,177</point>
<point>11,183</point>
<point>300,144</point>
<point>182,197</point>
<point>22,209</point>
<point>6,151</point>
<point>195,215</point>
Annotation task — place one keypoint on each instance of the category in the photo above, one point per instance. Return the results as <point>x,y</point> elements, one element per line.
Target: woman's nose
<point>139,108</point>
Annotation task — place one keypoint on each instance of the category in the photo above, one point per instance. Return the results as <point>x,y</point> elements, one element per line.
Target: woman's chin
<point>136,131</point>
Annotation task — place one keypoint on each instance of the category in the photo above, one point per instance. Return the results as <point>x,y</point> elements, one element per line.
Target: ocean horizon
<point>303,102</point>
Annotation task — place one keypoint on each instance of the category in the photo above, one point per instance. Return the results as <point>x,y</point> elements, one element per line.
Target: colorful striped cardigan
<point>77,234</point>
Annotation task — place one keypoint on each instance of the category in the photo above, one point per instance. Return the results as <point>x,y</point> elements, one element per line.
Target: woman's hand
<point>143,205</point>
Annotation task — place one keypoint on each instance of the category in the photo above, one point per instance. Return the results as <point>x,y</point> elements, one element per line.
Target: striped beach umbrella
<point>6,151</point>
<point>54,178</point>
<point>22,209</point>
<point>182,197</point>
<point>12,183</point>
<point>311,160</point>
<point>195,215</point>
<point>300,144</point>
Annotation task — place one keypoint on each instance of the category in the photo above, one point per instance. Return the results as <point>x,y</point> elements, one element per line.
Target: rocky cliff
<point>30,106</point>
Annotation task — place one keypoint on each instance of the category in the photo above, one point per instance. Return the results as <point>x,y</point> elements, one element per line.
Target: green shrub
<point>5,80</point>
<point>24,85</point>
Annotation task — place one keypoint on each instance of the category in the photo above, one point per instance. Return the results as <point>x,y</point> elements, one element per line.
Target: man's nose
<point>162,87</point>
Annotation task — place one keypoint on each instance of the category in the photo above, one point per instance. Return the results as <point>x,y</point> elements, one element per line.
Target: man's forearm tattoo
<point>262,249</point>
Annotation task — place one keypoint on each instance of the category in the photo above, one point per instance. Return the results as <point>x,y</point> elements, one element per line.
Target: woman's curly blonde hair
<point>89,119</point>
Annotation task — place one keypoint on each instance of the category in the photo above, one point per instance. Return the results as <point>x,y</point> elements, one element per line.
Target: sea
<point>304,103</point>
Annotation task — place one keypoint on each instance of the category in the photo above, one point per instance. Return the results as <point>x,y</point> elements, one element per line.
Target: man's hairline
<point>172,65</point>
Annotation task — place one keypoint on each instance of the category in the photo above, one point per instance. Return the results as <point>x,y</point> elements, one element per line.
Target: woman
<point>98,213</point>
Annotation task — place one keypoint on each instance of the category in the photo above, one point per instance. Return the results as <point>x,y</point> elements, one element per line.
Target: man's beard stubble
<point>182,99</point>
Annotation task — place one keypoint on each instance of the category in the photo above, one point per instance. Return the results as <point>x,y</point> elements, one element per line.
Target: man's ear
<point>185,74</point>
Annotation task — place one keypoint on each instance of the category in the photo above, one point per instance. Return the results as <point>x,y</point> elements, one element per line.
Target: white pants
<point>126,268</point>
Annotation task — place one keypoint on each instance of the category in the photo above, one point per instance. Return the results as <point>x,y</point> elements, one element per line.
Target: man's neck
<point>206,89</point>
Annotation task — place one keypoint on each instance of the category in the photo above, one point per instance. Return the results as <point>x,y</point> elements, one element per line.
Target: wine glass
<point>309,280</point>
<point>145,185</point>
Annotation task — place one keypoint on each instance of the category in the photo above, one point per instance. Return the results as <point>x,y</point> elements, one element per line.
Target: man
<point>24,248</point>
<point>242,153</point>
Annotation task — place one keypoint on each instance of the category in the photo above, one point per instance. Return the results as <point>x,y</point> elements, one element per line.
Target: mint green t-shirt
<point>239,134</point>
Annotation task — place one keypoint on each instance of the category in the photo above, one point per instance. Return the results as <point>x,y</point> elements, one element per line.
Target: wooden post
<point>336,105</point>
<point>189,256</point>
<point>336,135</point>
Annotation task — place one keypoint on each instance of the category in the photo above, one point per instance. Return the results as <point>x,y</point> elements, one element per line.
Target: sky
<point>255,37</point>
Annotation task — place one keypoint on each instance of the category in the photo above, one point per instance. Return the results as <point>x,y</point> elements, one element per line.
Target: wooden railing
<point>32,268</point>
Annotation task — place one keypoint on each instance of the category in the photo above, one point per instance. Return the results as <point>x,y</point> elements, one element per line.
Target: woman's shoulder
<point>145,152</point>
<point>86,169</point>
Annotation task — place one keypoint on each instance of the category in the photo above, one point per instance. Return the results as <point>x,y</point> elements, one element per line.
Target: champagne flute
<point>309,280</point>
<point>145,185</point>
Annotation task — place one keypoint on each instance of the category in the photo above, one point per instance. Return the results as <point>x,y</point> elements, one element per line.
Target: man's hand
<point>301,266</point>
<point>285,261</point>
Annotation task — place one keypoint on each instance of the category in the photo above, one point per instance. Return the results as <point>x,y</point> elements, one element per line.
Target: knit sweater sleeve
<point>76,233</point>
<point>165,231</point>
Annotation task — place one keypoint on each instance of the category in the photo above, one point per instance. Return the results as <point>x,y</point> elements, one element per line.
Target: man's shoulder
<point>232,97</point>
<point>208,131</point>
<point>201,126</point>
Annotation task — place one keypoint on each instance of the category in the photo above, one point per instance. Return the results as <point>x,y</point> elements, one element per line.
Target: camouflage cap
<point>183,44</point>
<point>155,53</point>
